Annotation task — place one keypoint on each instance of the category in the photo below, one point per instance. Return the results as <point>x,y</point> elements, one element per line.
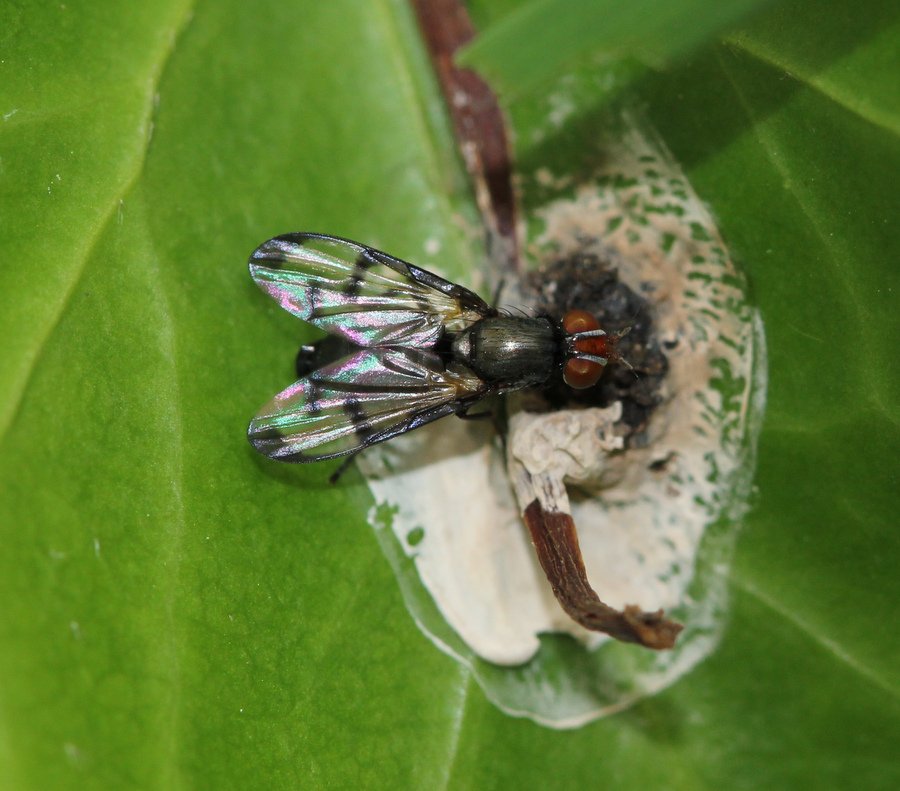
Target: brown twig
<point>478,123</point>
<point>556,544</point>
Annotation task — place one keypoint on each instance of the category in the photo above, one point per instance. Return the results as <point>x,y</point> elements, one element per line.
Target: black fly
<point>413,348</point>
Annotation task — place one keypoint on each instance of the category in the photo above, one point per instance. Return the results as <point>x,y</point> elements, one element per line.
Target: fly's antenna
<point>619,334</point>
<point>590,356</point>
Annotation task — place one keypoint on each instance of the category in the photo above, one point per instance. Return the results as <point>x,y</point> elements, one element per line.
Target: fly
<point>416,348</point>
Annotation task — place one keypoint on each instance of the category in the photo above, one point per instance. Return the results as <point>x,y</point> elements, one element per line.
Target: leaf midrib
<point>831,647</point>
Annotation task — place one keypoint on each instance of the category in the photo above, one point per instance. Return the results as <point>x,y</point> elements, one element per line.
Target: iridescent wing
<point>368,397</point>
<point>362,294</point>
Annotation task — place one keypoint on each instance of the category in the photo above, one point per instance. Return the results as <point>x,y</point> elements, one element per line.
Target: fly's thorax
<point>516,352</point>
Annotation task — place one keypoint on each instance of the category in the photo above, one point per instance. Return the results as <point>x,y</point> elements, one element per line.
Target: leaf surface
<point>180,613</point>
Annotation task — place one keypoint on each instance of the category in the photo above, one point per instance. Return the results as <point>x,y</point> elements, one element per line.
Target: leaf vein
<point>883,120</point>
<point>456,725</point>
<point>831,646</point>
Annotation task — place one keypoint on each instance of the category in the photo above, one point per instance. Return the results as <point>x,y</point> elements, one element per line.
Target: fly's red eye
<point>581,374</point>
<point>579,321</point>
<point>577,373</point>
<point>576,321</point>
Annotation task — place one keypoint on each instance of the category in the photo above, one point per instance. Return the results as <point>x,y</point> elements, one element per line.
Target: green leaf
<point>539,40</point>
<point>179,613</point>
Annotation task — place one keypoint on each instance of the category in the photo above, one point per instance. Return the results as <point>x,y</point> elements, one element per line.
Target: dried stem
<point>556,542</point>
<point>478,123</point>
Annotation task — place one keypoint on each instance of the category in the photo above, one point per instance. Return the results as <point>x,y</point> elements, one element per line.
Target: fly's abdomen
<point>516,352</point>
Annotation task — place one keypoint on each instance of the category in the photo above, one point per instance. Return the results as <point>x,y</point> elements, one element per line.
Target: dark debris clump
<point>590,282</point>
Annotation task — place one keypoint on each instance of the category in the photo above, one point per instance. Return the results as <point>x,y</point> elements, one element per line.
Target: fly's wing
<point>362,294</point>
<point>368,397</point>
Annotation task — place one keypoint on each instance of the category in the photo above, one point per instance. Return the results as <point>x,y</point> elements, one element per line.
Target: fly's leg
<point>466,415</point>
<point>322,352</point>
<point>344,466</point>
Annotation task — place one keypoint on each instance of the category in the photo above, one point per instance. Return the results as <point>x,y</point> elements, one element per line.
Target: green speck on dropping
<point>384,514</point>
<point>414,537</point>
<point>699,233</point>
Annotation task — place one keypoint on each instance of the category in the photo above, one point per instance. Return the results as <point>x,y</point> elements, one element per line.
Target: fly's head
<point>589,349</point>
<point>602,319</point>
